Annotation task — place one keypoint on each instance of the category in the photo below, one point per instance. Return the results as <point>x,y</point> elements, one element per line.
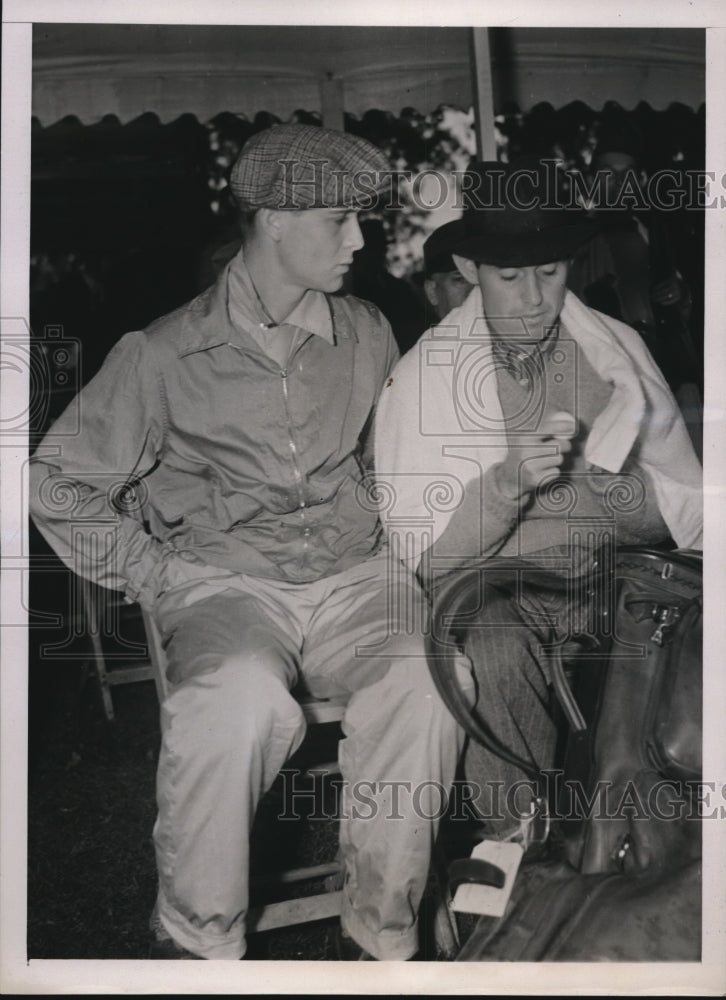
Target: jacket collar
<point>206,321</point>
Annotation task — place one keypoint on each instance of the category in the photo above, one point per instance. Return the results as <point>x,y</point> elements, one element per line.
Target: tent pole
<point>481,67</point>
<point>331,101</point>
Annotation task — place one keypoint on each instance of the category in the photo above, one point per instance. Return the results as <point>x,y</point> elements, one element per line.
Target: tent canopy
<point>91,70</point>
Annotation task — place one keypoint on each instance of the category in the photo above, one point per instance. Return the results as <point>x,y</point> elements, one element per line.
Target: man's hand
<point>667,293</point>
<point>537,458</point>
<point>674,291</point>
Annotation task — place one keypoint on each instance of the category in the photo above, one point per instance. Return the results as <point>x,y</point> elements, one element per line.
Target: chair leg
<point>445,930</point>
<point>290,912</point>
<point>105,688</point>
<point>93,628</point>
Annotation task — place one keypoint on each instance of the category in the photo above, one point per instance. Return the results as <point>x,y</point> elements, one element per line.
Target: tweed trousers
<point>507,648</point>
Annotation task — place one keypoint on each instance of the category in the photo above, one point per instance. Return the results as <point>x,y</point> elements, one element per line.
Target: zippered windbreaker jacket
<point>191,443</point>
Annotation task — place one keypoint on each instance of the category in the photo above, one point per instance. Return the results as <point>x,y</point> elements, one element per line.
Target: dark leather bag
<point>623,875</point>
<point>557,915</point>
<point>638,757</point>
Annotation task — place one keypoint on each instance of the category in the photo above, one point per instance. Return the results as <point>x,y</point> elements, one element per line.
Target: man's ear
<point>430,290</point>
<point>270,222</point>
<point>467,268</point>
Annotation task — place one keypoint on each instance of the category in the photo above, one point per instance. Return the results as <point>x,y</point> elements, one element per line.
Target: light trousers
<point>236,646</point>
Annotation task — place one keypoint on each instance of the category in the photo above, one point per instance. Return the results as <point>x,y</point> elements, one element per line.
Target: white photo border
<point>17,975</point>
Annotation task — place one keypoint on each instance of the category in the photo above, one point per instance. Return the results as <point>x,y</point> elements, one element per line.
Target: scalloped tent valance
<point>146,146</point>
<point>93,70</point>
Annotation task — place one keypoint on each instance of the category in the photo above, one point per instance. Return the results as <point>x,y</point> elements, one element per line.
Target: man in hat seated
<point>526,425</point>
<point>233,434</point>
<point>444,285</point>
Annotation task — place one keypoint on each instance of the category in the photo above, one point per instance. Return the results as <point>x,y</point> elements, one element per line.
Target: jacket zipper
<point>297,474</point>
<point>294,456</point>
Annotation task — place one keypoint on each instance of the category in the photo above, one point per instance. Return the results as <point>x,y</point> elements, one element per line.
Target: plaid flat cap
<point>306,166</point>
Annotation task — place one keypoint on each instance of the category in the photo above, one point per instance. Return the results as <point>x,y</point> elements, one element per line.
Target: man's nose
<point>353,235</point>
<point>532,288</point>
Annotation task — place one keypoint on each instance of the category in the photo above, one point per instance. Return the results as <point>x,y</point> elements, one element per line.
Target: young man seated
<point>527,425</point>
<point>240,422</point>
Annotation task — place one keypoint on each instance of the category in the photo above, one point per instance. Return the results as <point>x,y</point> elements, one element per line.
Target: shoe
<point>163,946</point>
<point>166,948</point>
<point>345,949</point>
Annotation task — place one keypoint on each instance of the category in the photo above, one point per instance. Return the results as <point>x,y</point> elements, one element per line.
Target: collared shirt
<point>233,461</point>
<point>312,314</point>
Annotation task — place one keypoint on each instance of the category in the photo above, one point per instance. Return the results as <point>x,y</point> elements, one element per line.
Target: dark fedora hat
<point>516,215</point>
